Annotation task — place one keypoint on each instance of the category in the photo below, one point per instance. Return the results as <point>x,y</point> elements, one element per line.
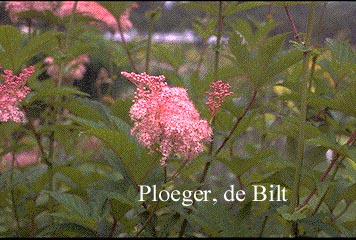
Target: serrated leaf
<point>74,204</point>
<point>285,213</point>
<point>115,8</point>
<point>235,7</point>
<point>62,91</point>
<point>131,154</point>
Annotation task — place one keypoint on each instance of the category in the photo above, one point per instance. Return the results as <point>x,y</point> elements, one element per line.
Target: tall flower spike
<point>218,92</point>
<point>13,91</point>
<point>165,116</point>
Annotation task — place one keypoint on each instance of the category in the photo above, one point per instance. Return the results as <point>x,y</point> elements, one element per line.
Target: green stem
<point>13,202</point>
<point>218,40</point>
<point>294,202</point>
<point>327,189</point>
<point>249,105</point>
<point>124,44</point>
<point>211,146</point>
<point>71,20</point>
<point>149,40</point>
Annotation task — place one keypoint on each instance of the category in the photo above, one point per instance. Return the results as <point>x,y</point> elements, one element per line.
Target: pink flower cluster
<point>21,6</point>
<point>218,92</point>
<point>95,10</point>
<point>74,70</point>
<point>12,91</point>
<point>165,116</point>
<point>65,8</point>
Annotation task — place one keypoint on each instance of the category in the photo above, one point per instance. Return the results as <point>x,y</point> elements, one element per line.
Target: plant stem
<point>149,40</point>
<point>332,178</point>
<point>12,192</point>
<point>71,20</point>
<point>211,147</point>
<point>148,219</point>
<point>350,141</point>
<point>218,39</point>
<point>126,47</point>
<point>320,23</point>
<point>113,227</point>
<point>249,105</point>
<point>291,20</point>
<point>37,135</point>
<point>302,118</point>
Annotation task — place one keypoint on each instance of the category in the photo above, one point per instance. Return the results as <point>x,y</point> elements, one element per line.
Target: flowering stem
<point>218,39</point>
<point>216,69</point>
<point>13,201</point>
<point>237,122</point>
<point>178,171</point>
<point>294,202</point>
<point>124,44</point>
<point>149,40</point>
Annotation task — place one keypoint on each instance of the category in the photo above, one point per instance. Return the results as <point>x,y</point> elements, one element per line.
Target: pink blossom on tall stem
<point>218,92</point>
<point>165,116</point>
<point>13,91</point>
<point>97,11</point>
<point>21,6</point>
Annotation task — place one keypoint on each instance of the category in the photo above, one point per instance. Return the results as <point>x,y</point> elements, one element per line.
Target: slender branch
<point>211,147</point>
<point>149,39</point>
<point>113,227</point>
<point>350,141</point>
<point>291,20</point>
<point>178,171</point>
<point>218,40</point>
<point>332,179</point>
<point>320,23</point>
<point>263,226</point>
<point>303,113</point>
<point>148,219</point>
<point>124,44</point>
<point>12,191</point>
<point>249,105</point>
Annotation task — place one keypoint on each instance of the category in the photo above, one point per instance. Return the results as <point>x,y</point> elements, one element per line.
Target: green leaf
<point>136,161</point>
<point>115,8</point>
<point>62,91</point>
<point>41,43</point>
<point>209,7</point>
<point>284,62</point>
<point>120,204</point>
<point>285,213</point>
<point>74,204</point>
<point>121,109</point>
<point>235,7</point>
<point>239,166</point>
<point>10,39</point>
<point>69,228</point>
